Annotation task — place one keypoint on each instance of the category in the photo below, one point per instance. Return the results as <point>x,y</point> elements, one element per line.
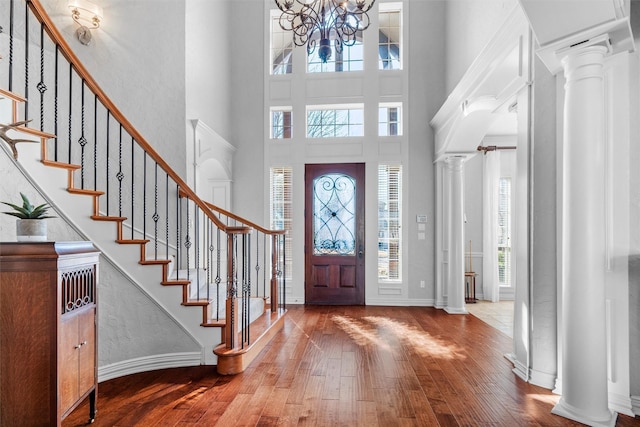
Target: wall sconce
<point>88,16</point>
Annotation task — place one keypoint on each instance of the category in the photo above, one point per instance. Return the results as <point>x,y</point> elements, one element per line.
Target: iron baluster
<point>144,196</point>
<point>26,63</point>
<point>166,214</point>
<point>70,108</point>
<point>187,238</point>
<point>218,279</point>
<point>82,141</point>
<point>55,105</point>
<point>133,185</point>
<point>41,86</point>
<point>95,142</point>
<point>155,211</point>
<point>178,230</point>
<point>120,175</point>
<point>11,46</point>
<point>108,159</point>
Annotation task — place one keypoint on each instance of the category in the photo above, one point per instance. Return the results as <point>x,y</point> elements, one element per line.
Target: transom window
<point>389,120</point>
<point>281,123</point>
<point>389,45</point>
<point>281,49</point>
<point>350,59</point>
<point>335,122</point>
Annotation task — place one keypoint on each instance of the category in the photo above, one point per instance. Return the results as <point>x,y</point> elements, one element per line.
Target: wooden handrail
<point>240,219</point>
<point>40,13</point>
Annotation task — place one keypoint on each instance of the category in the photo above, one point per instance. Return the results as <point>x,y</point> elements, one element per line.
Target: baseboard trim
<point>542,379</point>
<point>621,404</point>
<point>401,302</point>
<point>520,370</point>
<point>148,363</point>
<point>635,405</point>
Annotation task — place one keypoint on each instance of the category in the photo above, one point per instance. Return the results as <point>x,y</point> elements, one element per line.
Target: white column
<point>455,287</point>
<point>584,358</point>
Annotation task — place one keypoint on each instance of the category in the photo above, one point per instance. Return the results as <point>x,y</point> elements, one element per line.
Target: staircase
<point>219,275</point>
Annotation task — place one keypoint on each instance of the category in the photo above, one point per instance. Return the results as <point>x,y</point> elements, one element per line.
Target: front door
<point>334,234</point>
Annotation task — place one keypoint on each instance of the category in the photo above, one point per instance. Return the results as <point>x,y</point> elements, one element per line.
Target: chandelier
<point>317,22</point>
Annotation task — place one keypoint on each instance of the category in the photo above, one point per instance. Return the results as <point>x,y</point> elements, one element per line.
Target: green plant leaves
<point>27,210</point>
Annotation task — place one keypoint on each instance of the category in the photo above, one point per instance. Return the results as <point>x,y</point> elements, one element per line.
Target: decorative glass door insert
<point>334,207</point>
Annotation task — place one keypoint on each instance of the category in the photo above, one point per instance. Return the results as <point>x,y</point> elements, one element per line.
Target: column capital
<point>455,162</point>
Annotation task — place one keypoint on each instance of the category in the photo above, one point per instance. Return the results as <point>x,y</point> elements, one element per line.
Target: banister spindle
<point>95,142</point>
<point>70,110</point>
<point>26,62</point>
<point>133,187</point>
<point>55,103</point>
<point>41,85</point>
<point>120,175</point>
<point>144,195</point>
<point>82,141</point>
<point>11,13</point>
<point>108,161</point>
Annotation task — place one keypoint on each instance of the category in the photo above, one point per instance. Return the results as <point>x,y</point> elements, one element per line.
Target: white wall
<point>137,56</point>
<point>470,24</point>
<point>207,67</point>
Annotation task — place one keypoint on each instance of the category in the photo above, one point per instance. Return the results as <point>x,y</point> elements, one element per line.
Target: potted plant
<point>30,225</point>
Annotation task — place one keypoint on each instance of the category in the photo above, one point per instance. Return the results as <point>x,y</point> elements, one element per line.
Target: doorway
<point>334,233</point>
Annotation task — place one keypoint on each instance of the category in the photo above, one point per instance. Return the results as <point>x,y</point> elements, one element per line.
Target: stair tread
<point>34,132</point>
<point>175,282</point>
<point>11,95</point>
<point>214,323</point>
<point>154,261</point>
<point>196,303</point>
<point>85,191</point>
<point>60,164</point>
<point>108,218</point>
<point>132,241</point>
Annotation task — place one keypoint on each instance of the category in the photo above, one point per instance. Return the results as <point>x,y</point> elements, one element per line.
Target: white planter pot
<point>31,230</point>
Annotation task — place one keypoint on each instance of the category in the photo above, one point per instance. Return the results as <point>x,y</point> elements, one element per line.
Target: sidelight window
<point>389,222</point>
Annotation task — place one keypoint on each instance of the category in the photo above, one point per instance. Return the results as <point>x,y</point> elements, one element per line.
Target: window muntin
<point>281,125</point>
<point>390,37</point>
<point>389,120</point>
<point>281,49</point>
<point>504,231</point>
<point>389,222</point>
<point>281,210</point>
<point>335,123</point>
<point>350,59</point>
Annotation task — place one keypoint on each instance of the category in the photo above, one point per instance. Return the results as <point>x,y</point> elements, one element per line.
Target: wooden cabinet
<point>48,333</point>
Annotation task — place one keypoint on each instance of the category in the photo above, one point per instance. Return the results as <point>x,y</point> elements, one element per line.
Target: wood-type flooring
<point>345,366</point>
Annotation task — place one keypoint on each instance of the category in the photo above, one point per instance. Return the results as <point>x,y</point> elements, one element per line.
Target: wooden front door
<point>334,234</point>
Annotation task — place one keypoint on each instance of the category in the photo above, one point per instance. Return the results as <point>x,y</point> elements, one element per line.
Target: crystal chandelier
<point>316,22</point>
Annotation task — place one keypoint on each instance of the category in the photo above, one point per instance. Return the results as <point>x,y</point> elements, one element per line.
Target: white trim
<point>148,363</point>
<point>519,368</point>
<point>542,379</point>
<point>635,405</point>
<point>621,404</point>
<point>405,302</point>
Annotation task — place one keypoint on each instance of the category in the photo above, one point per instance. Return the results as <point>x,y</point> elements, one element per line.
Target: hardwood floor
<point>348,366</point>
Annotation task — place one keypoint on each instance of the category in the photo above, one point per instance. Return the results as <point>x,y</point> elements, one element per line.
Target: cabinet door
<point>68,369</point>
<point>87,354</point>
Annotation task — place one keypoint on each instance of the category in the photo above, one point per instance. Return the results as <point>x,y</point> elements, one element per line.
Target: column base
<point>452,310</point>
<point>565,410</point>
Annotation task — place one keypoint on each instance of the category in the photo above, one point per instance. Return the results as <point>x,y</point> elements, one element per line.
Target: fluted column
<point>584,355</point>
<point>455,286</point>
